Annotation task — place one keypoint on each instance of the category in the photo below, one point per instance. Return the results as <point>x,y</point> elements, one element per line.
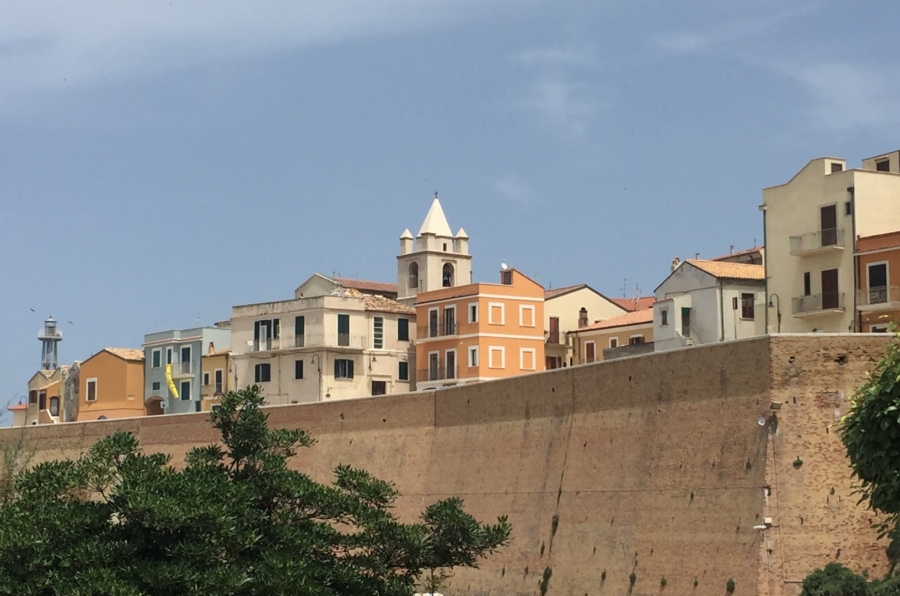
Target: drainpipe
<point>857,316</point>
<point>762,208</point>
<point>721,312</point>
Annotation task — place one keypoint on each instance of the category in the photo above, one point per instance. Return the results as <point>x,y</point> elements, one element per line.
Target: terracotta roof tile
<point>366,286</point>
<point>17,408</point>
<point>638,317</point>
<point>548,294</point>
<point>730,270</point>
<point>127,353</point>
<point>739,253</point>
<point>382,304</point>
<point>635,304</point>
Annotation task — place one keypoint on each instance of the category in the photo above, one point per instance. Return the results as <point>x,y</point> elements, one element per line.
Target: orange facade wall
<point>507,330</point>
<point>888,247</point>
<point>120,387</point>
<point>602,337</point>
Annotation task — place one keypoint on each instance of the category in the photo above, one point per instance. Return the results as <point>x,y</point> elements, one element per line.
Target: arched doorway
<point>154,405</point>
<point>447,277</point>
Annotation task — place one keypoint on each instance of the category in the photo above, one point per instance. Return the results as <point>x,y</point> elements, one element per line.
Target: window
<point>748,309</point>
<point>168,355</point>
<point>877,283</point>
<point>206,379</point>
<point>42,400</point>
<point>496,357</point>
<point>883,166</point>
<point>378,333</point>
<point>54,406</point>
<point>449,320</point>
<point>91,393</point>
<point>276,328</point>
<point>433,328</point>
<point>185,391</point>
<point>496,313</point>
<point>836,167</point>
<point>878,329</point>
<point>664,317</point>
<point>473,356</point>
<point>298,369</point>
<point>527,359</point>
<point>526,315</point>
<point>685,321</point>
<point>450,359</point>
<point>445,247</point>
<point>848,208</point>
<point>506,278</point>
<point>403,329</point>
<point>264,332</point>
<point>614,342</point>
<point>447,276</point>
<point>403,371</point>
<point>186,359</point>
<point>473,312</point>
<point>343,329</point>
<point>636,340</point>
<point>807,284</point>
<point>379,387</point>
<point>263,373</point>
<point>343,369</point>
<point>299,331</point>
<point>553,332</point>
<point>155,386</point>
<point>32,397</point>
<point>156,358</point>
<point>590,351</point>
<point>220,386</point>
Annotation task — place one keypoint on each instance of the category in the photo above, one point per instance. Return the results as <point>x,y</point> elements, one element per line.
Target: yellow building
<point>215,368</point>
<point>627,334</point>
<point>565,310</point>
<point>481,331</point>
<point>112,385</point>
<point>877,299</point>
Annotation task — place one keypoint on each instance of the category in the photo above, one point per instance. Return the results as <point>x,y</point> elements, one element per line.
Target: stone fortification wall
<point>660,465</point>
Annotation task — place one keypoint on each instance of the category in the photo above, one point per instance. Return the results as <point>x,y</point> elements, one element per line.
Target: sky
<point>161,162</point>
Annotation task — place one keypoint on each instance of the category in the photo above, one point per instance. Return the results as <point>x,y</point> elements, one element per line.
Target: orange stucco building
<point>112,385</point>
<point>877,298</point>
<point>480,331</point>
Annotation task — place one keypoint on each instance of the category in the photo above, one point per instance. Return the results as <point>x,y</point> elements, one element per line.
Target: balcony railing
<point>878,296</point>
<point>436,373</point>
<point>815,303</point>
<point>265,345</point>
<point>299,341</point>
<point>441,329</point>
<point>813,242</point>
<point>552,337</point>
<point>180,369</point>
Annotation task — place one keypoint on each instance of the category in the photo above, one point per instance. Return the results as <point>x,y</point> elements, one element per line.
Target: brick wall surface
<point>656,464</point>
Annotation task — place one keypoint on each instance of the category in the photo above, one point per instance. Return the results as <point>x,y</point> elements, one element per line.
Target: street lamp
<point>776,304</point>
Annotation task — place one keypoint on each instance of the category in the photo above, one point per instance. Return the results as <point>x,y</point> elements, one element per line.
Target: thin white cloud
<point>846,96</point>
<point>48,45</point>
<point>513,190</point>
<point>562,105</point>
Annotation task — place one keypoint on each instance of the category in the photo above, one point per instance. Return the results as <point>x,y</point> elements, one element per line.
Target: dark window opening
<point>506,278</point>
<point>379,387</point>
<point>807,284</point>
<point>883,166</point>
<point>298,369</point>
<point>836,167</point>
<point>747,308</point>
<point>263,373</point>
<point>343,330</point>
<point>343,369</point>
<point>634,341</point>
<point>664,317</point>
<point>402,329</point>
<point>156,385</point>
<point>378,333</point>
<point>54,406</point>
<point>299,331</point>
<point>686,322</point>
<point>447,278</point>
<point>403,371</point>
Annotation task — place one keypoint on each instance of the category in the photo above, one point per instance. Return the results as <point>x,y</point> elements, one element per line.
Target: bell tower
<point>434,259</point>
<point>50,338</point>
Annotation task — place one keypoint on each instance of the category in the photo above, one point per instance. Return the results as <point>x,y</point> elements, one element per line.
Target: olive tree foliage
<point>234,520</point>
<point>871,434</point>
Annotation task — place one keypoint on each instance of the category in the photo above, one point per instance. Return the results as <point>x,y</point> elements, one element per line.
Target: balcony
<point>265,345</point>
<point>817,304</point>
<point>182,370</point>
<point>436,373</point>
<point>299,341</point>
<point>437,329</point>
<point>554,337</point>
<point>817,242</point>
<point>878,298</point>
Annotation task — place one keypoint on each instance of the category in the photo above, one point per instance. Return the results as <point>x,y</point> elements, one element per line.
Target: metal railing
<point>552,337</point>
<point>265,345</point>
<point>436,373</point>
<point>816,241</point>
<point>440,329</point>
<point>878,295</point>
<point>817,302</point>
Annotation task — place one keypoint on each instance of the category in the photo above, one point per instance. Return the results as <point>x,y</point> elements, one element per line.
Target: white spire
<point>436,222</point>
<point>461,234</point>
<point>406,235</point>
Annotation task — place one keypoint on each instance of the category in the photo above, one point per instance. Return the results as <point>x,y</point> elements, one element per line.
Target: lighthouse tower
<point>49,338</point>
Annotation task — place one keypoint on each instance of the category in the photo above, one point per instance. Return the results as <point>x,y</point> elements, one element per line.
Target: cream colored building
<point>811,223</point>
<point>630,333</point>
<point>567,309</point>
<point>336,339</point>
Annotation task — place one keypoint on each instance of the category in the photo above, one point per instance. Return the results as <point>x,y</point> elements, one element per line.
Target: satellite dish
<point>761,421</point>
<point>504,266</point>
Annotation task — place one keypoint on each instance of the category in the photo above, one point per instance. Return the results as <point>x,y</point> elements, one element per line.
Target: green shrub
<point>834,580</point>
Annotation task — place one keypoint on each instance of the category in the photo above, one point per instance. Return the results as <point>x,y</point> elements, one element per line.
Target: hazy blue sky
<point>163,161</point>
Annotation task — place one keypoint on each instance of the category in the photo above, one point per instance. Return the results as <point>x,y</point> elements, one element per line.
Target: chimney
<point>212,348</point>
<point>732,249</point>
<point>675,263</point>
<point>697,255</point>
<point>582,318</point>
